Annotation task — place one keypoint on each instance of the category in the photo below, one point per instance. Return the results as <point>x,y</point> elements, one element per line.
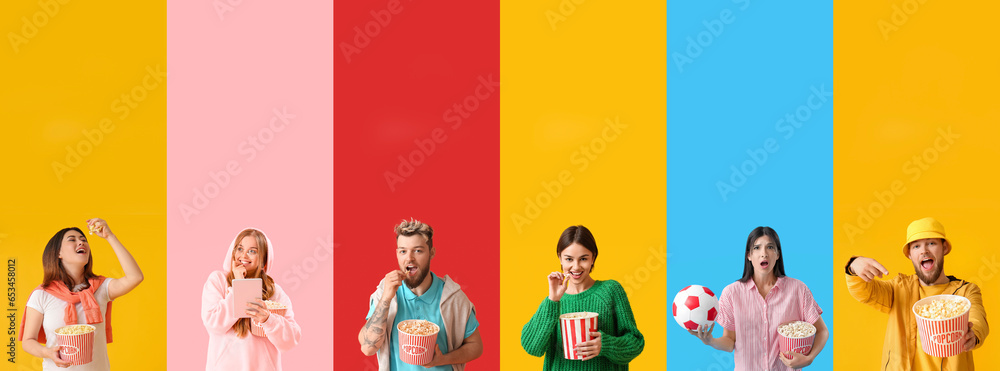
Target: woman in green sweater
<point>617,341</point>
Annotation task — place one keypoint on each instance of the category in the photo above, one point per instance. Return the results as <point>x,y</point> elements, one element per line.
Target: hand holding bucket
<point>576,328</point>
<point>276,308</point>
<point>416,341</point>
<point>76,343</point>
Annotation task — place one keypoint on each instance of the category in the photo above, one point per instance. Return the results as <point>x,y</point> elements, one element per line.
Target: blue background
<point>725,102</point>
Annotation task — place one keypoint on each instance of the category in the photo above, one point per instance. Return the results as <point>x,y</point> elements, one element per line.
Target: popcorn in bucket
<point>77,343</point>
<point>416,341</point>
<point>796,336</point>
<point>942,321</point>
<point>276,308</point>
<point>576,328</point>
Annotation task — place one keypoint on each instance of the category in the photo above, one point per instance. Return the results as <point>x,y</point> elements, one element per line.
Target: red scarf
<point>91,308</point>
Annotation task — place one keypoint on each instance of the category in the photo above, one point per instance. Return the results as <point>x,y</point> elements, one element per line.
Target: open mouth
<point>411,269</point>
<point>81,250</point>
<point>576,275</point>
<point>927,264</point>
<point>764,264</point>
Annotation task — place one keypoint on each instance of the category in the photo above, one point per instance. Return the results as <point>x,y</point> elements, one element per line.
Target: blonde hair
<point>242,325</point>
<point>412,227</point>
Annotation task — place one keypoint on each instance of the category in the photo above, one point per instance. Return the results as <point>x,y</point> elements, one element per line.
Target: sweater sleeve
<point>217,304</point>
<point>282,331</point>
<point>628,343</point>
<point>977,314</point>
<point>539,333</point>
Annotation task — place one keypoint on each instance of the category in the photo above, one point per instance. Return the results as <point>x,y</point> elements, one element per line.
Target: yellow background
<point>605,61</point>
<point>62,82</point>
<point>936,71</point>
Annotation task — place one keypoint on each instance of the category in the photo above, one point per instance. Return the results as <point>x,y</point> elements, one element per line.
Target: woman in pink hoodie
<point>231,346</point>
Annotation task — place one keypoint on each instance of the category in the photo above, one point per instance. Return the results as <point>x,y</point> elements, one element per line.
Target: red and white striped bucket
<point>576,328</point>
<point>416,349</point>
<point>800,345</point>
<point>942,337</point>
<point>257,329</point>
<point>76,349</point>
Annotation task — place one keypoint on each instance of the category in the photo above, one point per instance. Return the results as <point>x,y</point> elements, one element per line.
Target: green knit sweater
<point>621,341</point>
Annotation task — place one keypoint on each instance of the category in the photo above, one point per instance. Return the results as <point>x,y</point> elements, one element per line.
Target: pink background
<point>225,78</point>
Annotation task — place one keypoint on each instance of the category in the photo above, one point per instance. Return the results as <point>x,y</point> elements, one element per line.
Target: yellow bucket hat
<point>920,229</point>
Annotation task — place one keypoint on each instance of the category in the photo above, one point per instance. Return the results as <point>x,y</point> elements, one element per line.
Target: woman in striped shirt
<point>752,308</point>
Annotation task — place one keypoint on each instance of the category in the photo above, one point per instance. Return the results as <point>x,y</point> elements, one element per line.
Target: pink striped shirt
<point>755,319</point>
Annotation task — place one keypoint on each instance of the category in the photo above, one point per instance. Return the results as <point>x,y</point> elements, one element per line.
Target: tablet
<point>245,291</point>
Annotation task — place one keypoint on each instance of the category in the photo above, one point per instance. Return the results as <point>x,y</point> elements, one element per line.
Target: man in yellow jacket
<point>926,247</point>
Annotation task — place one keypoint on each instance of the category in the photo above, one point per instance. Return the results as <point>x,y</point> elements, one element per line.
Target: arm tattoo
<point>375,328</point>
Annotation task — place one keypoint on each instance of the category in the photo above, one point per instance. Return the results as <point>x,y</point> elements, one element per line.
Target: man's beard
<point>929,277</point>
<point>413,282</point>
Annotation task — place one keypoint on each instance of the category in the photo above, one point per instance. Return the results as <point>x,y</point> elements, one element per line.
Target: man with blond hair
<point>425,296</point>
<point>926,247</point>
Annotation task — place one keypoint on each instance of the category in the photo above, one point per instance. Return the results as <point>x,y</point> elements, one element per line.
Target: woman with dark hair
<point>617,341</point>
<point>230,343</point>
<point>760,301</point>
<point>72,294</point>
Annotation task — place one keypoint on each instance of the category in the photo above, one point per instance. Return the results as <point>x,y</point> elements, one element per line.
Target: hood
<point>227,264</point>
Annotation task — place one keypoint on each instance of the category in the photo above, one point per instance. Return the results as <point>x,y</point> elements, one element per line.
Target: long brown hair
<point>52,264</point>
<point>242,326</point>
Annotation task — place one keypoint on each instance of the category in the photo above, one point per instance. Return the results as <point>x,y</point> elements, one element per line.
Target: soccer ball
<point>695,305</point>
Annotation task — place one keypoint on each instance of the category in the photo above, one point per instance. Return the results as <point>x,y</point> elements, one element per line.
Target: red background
<point>426,58</point>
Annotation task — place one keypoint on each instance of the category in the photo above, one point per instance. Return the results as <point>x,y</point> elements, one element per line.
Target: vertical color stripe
<point>416,136</point>
<point>582,142</point>
<point>84,100</point>
<point>914,138</point>
<point>249,145</point>
<point>750,88</point>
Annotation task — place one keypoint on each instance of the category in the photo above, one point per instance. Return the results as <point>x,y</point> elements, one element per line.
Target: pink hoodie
<point>228,352</point>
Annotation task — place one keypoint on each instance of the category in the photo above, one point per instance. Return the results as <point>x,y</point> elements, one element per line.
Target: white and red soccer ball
<point>695,305</point>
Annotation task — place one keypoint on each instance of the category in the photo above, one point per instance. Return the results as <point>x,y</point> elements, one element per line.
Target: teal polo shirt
<point>428,308</point>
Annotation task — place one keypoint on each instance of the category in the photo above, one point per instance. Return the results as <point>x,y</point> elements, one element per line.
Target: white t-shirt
<point>53,311</point>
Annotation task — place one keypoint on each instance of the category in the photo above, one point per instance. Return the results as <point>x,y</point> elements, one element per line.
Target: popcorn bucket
<point>576,328</point>
<point>257,329</point>
<point>942,337</point>
<point>801,345</point>
<point>78,349</point>
<point>417,349</point>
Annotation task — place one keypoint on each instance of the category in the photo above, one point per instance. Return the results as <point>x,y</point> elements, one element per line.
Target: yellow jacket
<point>896,297</point>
